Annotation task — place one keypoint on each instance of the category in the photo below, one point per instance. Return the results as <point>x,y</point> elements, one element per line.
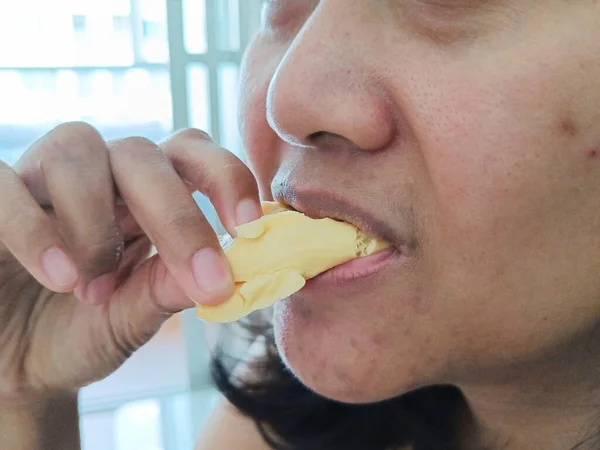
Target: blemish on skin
<point>377,339</point>
<point>342,375</point>
<point>304,310</point>
<point>420,305</point>
<point>592,153</point>
<point>568,127</point>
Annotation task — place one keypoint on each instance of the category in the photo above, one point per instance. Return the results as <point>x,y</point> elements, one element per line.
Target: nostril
<point>325,140</point>
<point>316,137</point>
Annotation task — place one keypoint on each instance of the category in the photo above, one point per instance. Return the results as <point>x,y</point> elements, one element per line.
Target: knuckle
<point>193,134</point>
<point>123,342</point>
<point>184,219</point>
<point>180,142</point>
<point>231,161</point>
<point>214,186</point>
<point>103,253</point>
<point>234,177</point>
<point>156,277</point>
<point>76,128</point>
<point>126,336</point>
<point>133,143</point>
<point>187,230</point>
<point>70,143</point>
<point>237,169</point>
<point>132,147</point>
<point>232,168</point>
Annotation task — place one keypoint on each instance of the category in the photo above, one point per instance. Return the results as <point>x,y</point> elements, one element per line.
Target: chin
<point>341,357</point>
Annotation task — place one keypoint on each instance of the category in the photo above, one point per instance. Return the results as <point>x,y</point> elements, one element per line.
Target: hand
<point>79,291</point>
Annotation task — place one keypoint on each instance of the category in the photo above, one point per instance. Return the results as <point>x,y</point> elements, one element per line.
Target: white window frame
<point>249,13</point>
<point>179,61</point>
<point>194,330</point>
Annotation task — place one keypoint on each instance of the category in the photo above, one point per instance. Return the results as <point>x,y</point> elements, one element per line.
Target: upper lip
<point>320,204</point>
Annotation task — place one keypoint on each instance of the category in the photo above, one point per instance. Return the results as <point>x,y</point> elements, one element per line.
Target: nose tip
<point>313,93</point>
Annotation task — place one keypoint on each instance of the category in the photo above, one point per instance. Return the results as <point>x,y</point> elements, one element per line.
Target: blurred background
<point>131,68</point>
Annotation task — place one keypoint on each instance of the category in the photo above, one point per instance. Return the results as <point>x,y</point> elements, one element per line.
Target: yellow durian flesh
<point>272,257</point>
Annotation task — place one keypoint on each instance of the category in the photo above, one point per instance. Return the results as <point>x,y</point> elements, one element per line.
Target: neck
<point>553,404</point>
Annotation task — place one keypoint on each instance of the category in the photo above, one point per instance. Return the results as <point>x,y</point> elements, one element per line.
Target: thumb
<point>147,299</point>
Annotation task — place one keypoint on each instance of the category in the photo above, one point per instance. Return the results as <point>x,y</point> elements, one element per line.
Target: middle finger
<point>162,205</point>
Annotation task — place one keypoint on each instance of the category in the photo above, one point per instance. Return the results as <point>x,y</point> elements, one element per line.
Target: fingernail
<point>101,289</point>
<point>59,267</point>
<point>246,211</point>
<point>212,273</point>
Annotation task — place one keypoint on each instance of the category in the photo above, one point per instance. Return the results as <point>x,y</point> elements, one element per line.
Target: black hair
<point>290,416</point>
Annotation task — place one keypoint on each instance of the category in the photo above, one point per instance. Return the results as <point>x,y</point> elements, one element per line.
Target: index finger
<point>218,174</point>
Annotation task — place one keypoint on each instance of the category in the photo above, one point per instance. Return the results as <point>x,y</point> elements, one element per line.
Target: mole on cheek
<point>568,127</point>
<point>304,310</point>
<point>377,340</point>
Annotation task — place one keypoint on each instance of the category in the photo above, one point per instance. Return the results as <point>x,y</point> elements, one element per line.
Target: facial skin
<point>471,128</point>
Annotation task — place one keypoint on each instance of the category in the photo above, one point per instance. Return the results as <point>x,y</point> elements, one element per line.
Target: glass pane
<point>82,33</point>
<point>118,102</point>
<point>159,366</point>
<point>194,26</point>
<point>161,422</point>
<point>228,25</point>
<point>138,425</point>
<point>65,33</point>
<point>228,98</point>
<point>98,431</point>
<point>152,27</point>
<point>198,97</point>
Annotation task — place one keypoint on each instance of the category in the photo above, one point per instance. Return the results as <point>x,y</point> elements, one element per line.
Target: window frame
<point>194,331</point>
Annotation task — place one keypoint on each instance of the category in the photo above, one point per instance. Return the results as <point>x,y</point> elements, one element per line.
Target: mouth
<point>356,270</point>
<point>350,277</point>
<point>323,204</point>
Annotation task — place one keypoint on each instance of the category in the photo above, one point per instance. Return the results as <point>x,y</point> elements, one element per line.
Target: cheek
<point>504,135</point>
<point>257,137</point>
<point>363,351</point>
<point>504,180</point>
<point>334,356</point>
<point>259,140</point>
<point>495,152</point>
<point>512,176</point>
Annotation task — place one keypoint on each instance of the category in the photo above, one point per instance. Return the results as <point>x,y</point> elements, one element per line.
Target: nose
<point>324,85</point>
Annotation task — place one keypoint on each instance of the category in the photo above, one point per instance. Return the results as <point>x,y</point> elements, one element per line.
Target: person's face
<point>471,130</point>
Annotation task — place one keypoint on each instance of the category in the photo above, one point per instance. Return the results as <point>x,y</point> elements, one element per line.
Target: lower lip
<point>354,270</point>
